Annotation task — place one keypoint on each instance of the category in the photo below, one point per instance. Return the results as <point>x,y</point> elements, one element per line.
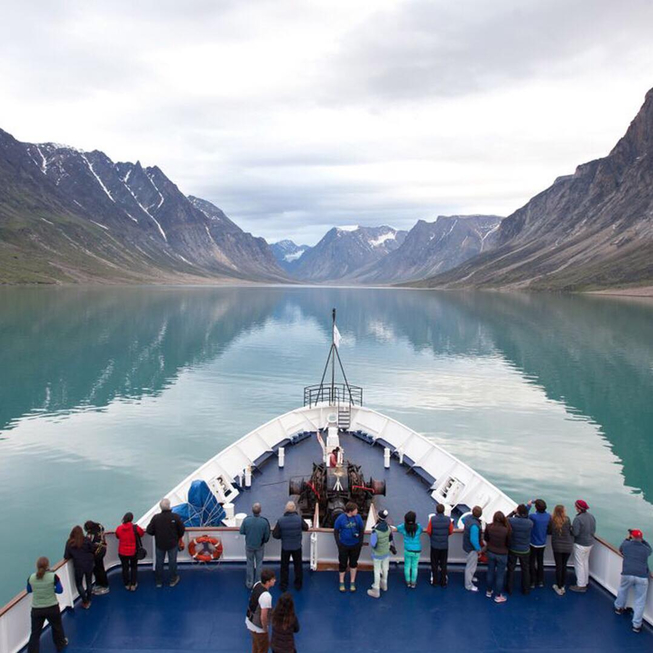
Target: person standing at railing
<point>583,529</point>
<point>411,531</point>
<point>81,551</point>
<point>167,528</point>
<point>129,535</point>
<point>472,545</point>
<point>381,545</point>
<point>540,519</point>
<point>256,530</point>
<point>497,538</point>
<point>95,533</point>
<point>44,585</point>
<point>349,531</point>
<point>289,529</point>
<point>634,573</point>
<point>439,529</point>
<point>520,548</point>
<point>562,543</point>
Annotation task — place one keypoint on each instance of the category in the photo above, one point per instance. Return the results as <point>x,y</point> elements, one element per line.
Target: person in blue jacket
<point>472,545</point>
<point>541,519</point>
<point>349,530</point>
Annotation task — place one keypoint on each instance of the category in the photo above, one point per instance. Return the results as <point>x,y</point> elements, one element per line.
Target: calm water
<point>109,397</point>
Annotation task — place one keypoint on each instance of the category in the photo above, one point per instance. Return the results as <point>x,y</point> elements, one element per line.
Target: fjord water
<point>109,397</point>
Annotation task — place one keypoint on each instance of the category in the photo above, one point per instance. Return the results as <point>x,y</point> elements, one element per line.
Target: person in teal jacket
<point>411,531</point>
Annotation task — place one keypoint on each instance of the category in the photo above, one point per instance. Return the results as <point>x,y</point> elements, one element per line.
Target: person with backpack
<point>562,543</point>
<point>439,529</point>
<point>44,585</point>
<point>167,528</point>
<point>258,612</point>
<point>349,531</point>
<point>81,551</point>
<point>519,550</point>
<point>256,530</point>
<point>381,545</point>
<point>472,545</point>
<point>284,625</point>
<point>95,533</point>
<point>497,538</point>
<point>541,519</point>
<point>129,542</point>
<point>411,531</point>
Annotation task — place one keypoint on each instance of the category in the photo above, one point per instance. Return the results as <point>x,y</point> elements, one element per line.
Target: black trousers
<point>537,565</point>
<point>296,556</point>
<point>53,615</point>
<point>84,592</point>
<point>99,572</point>
<point>524,566</point>
<point>561,560</point>
<point>129,569</point>
<point>439,562</point>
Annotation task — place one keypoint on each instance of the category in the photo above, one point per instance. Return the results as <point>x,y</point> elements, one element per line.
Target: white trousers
<point>470,569</point>
<point>381,568</point>
<point>582,564</point>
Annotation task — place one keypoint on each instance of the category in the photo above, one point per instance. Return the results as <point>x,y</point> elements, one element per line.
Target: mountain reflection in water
<point>109,396</point>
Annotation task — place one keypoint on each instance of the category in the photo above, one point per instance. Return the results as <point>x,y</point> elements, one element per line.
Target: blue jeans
<point>640,587</point>
<point>496,572</point>
<point>254,565</point>
<point>160,559</point>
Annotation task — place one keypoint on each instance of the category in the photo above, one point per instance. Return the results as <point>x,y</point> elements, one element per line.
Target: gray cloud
<point>294,117</point>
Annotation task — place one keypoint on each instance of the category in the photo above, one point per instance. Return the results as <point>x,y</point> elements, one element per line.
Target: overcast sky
<point>294,117</point>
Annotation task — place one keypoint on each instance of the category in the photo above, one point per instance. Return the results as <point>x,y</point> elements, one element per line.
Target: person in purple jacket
<point>541,519</point>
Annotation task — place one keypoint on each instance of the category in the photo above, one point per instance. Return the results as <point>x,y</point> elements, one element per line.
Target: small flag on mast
<point>336,336</point>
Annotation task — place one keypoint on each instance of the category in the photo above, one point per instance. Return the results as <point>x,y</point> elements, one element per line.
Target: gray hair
<point>256,509</point>
<point>291,507</point>
<point>164,504</point>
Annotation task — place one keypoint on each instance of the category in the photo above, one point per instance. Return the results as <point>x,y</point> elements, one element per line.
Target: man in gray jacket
<point>583,529</point>
<point>256,530</point>
<point>635,572</point>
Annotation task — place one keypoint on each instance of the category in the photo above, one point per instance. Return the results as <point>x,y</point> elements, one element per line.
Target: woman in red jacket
<point>129,537</point>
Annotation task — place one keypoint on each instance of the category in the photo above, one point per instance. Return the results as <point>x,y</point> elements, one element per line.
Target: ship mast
<point>331,358</point>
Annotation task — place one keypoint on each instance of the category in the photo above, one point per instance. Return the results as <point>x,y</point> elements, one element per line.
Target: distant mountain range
<point>72,216</point>
<point>589,230</point>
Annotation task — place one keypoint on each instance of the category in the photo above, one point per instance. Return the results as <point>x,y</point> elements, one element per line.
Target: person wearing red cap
<point>583,529</point>
<point>634,573</point>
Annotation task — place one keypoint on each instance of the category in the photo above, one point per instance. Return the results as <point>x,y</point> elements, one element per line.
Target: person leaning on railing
<point>44,585</point>
<point>635,572</point>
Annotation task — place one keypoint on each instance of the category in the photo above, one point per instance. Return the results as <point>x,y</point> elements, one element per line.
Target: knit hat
<point>582,505</point>
<point>636,533</point>
<point>383,514</point>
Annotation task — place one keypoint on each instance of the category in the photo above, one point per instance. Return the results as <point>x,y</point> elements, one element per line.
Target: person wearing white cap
<point>636,551</point>
<point>381,544</point>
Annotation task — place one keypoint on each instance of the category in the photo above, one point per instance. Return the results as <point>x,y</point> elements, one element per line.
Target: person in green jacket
<point>411,531</point>
<point>381,543</point>
<point>44,585</point>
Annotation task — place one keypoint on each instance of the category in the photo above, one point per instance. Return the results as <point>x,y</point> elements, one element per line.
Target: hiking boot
<point>374,593</point>
<point>578,588</point>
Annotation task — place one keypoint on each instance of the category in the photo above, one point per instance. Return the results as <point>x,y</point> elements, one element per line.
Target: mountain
<point>433,247</point>
<point>67,215</point>
<point>589,230</point>
<point>343,251</point>
<point>288,254</point>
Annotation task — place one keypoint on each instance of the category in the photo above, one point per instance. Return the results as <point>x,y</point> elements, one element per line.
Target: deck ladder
<point>344,417</point>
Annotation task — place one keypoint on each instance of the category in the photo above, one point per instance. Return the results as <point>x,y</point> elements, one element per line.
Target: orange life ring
<point>210,548</point>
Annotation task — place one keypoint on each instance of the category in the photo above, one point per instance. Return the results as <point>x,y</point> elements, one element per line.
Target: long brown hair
<point>283,616</point>
<point>42,565</point>
<point>500,519</point>
<point>558,518</point>
<point>76,537</point>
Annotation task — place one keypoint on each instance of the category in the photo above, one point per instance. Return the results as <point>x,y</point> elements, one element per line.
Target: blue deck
<point>205,612</point>
<point>406,490</point>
